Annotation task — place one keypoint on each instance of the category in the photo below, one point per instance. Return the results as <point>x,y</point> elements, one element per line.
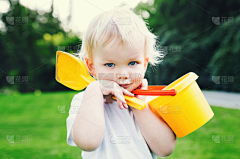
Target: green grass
<point>201,144</point>
<point>38,118</point>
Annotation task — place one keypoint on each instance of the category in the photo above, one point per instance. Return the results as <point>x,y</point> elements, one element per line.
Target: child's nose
<point>122,75</point>
<point>123,78</point>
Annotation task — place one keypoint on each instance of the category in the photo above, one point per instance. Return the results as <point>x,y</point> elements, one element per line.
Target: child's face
<point>122,65</point>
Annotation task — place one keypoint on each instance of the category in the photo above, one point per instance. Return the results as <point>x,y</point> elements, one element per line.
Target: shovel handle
<point>134,102</point>
<point>152,91</point>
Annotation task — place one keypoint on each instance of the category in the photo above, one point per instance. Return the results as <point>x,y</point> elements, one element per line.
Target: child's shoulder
<point>79,94</point>
<point>78,97</point>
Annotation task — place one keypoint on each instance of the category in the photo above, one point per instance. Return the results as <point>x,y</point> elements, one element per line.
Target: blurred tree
<point>196,36</point>
<point>192,34</point>
<point>29,46</point>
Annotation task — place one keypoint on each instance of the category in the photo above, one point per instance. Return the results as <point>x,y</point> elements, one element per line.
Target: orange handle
<point>155,91</point>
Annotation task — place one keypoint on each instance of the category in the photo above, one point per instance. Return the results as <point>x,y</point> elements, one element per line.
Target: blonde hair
<point>119,23</point>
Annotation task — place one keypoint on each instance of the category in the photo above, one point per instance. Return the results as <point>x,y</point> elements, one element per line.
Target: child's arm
<point>89,125</point>
<point>158,135</point>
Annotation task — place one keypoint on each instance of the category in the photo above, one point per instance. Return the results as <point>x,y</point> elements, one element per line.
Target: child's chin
<point>130,88</point>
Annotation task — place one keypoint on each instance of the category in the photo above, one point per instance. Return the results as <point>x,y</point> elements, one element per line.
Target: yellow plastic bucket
<point>185,112</point>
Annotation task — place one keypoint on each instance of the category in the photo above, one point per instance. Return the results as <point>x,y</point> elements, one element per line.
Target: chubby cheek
<point>104,75</point>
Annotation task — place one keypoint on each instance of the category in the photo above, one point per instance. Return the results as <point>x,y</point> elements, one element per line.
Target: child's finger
<point>127,92</point>
<point>144,84</point>
<point>124,103</point>
<point>120,100</point>
<point>126,106</point>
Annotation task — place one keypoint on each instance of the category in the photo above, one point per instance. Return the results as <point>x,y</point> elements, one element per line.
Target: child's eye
<point>133,62</point>
<point>108,64</point>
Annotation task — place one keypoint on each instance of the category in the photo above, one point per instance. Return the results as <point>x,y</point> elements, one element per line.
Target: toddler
<point>116,49</point>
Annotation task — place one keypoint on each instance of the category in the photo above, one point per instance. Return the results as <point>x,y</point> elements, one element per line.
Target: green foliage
<point>29,49</point>
<point>207,48</point>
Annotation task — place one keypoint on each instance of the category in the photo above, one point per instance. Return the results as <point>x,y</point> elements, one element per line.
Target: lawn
<point>35,127</point>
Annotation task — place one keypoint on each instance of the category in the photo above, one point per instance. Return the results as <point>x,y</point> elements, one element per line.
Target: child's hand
<point>144,86</point>
<point>110,88</point>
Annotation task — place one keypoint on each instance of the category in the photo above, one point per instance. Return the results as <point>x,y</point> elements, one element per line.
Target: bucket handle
<point>155,91</point>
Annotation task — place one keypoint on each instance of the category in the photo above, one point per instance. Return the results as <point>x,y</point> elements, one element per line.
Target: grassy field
<point>34,126</point>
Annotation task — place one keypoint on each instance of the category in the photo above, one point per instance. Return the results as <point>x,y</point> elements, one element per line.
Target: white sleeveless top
<point>122,139</point>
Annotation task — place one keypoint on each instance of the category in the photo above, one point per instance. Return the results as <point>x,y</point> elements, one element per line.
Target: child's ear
<point>90,66</point>
<point>146,62</point>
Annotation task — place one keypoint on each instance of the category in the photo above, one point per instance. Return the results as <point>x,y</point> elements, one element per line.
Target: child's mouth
<point>124,85</point>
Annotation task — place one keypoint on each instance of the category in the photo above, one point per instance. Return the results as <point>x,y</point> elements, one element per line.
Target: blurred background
<point>196,36</point>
